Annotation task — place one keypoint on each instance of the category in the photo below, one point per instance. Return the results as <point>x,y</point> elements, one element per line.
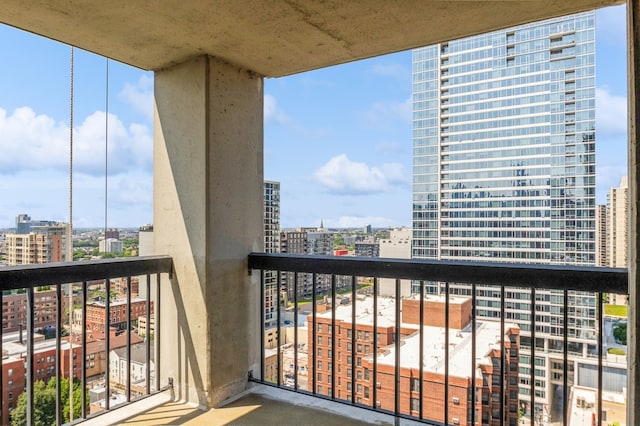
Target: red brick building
<point>14,310</point>
<point>14,381</point>
<point>359,378</point>
<point>118,313</point>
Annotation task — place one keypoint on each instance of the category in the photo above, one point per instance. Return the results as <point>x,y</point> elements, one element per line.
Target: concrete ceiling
<point>270,37</point>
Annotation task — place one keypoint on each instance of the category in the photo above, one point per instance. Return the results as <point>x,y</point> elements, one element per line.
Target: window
<point>366,392</point>
<point>359,362</point>
<point>366,336</point>
<point>359,334</point>
<point>359,374</point>
<point>319,389</point>
<point>349,346</point>
<point>319,340</point>
<point>366,349</point>
<point>10,384</point>
<point>320,352</point>
<point>349,331</point>
<point>415,404</point>
<point>330,353</point>
<point>366,374</point>
<point>348,386</point>
<point>319,365</point>
<point>415,384</point>
<point>348,372</point>
<point>359,349</point>
<point>319,328</point>
<point>10,395</point>
<point>319,377</point>
<point>359,388</point>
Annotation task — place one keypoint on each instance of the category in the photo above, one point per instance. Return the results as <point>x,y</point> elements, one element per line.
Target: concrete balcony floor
<point>261,405</point>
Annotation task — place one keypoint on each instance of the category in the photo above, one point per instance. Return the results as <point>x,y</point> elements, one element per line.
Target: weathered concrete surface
<point>208,185</point>
<point>272,38</point>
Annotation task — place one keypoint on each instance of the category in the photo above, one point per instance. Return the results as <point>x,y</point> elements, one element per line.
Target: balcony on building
<point>209,60</point>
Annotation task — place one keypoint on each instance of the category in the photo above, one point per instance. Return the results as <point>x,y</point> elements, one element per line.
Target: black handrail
<point>31,276</point>
<point>550,277</point>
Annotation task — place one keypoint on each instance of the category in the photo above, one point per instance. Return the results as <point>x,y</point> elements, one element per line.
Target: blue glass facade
<point>504,170</point>
<point>504,145</point>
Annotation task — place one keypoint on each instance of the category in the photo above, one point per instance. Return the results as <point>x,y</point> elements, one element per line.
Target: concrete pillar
<point>208,185</point>
<point>633,394</point>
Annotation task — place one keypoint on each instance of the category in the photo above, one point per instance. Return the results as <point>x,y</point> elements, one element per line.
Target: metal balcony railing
<point>329,331</point>
<point>67,303</point>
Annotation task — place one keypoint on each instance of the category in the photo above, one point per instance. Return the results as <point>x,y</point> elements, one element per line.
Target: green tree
<point>44,403</point>
<point>620,332</point>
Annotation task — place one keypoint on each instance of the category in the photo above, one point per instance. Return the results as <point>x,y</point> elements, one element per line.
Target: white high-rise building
<point>504,170</point>
<point>617,225</point>
<point>271,245</point>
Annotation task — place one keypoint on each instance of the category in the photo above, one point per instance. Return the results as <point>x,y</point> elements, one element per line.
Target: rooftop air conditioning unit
<point>456,400</point>
<point>455,421</point>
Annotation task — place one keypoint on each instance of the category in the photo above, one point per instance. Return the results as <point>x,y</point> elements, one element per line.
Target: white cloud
<point>343,176</point>
<point>139,96</point>
<point>35,142</point>
<point>611,112</point>
<point>273,114</point>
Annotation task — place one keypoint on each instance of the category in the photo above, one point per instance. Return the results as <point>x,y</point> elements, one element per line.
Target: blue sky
<point>338,139</point>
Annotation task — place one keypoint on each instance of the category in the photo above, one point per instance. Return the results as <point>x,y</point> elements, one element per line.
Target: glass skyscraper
<point>504,170</point>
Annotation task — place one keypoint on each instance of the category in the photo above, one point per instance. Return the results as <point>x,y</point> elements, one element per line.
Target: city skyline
<point>341,150</point>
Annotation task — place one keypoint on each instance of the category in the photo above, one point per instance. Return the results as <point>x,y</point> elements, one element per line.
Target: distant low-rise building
<point>110,245</point>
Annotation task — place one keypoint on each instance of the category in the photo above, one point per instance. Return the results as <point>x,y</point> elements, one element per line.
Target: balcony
<point>377,381</point>
<point>208,167</point>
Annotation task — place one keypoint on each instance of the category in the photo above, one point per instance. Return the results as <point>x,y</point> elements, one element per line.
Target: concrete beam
<point>208,185</point>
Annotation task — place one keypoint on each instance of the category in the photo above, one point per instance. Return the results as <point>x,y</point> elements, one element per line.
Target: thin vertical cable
<point>600,343</point>
<point>446,354</point>
<point>565,358</point>
<point>295,332</point>
<point>84,350</point>
<point>59,353</point>
<point>70,239</point>
<point>397,347</point>
<point>106,147</point>
<point>333,336</point>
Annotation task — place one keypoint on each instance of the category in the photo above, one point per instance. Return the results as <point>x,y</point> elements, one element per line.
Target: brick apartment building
<point>364,384</point>
<point>118,313</point>
<point>14,309</point>
<point>14,367</point>
<point>14,352</point>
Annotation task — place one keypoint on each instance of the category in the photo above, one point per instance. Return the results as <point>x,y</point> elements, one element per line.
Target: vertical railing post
<point>397,360</point>
<point>333,336</point>
<point>83,398</point>
<point>156,335</point>
<point>128,388</point>
<point>107,343</point>
<point>295,331</point>
<point>30,373</point>
<point>503,356</point>
<point>446,353</point>
<point>600,352</point>
<point>473,354</point>
<point>58,351</point>
<point>148,333</point>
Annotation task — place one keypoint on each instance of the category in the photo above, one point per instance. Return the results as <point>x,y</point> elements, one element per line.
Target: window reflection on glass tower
<point>504,170</point>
